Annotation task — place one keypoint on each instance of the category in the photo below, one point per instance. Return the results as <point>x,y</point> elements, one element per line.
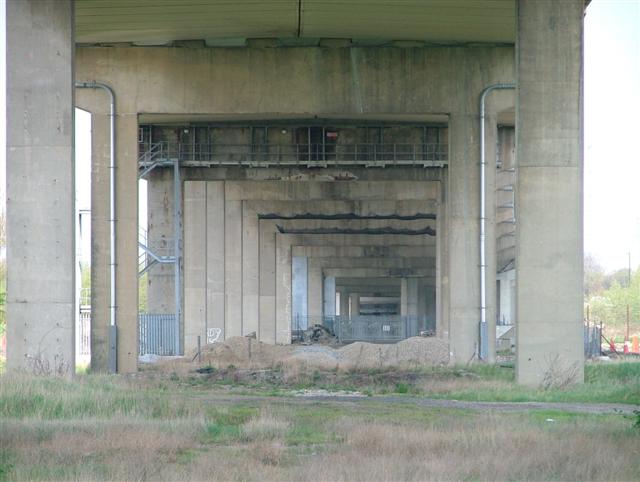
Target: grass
<point>604,383</point>
<point>116,428</point>
<point>611,382</point>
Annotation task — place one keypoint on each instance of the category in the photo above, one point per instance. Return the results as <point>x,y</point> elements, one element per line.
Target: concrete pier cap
<point>285,152</point>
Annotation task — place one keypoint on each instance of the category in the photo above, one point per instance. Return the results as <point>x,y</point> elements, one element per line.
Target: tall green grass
<point>92,396</point>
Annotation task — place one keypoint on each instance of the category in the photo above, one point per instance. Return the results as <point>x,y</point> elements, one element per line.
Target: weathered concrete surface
<point>126,232</point>
<point>214,80</point>
<point>127,238</point>
<point>329,295</point>
<point>354,304</point>
<point>443,79</point>
<point>246,243</point>
<point>40,187</point>
<point>195,264</point>
<point>300,283</point>
<point>100,245</point>
<point>549,243</point>
<point>160,239</point>
<point>409,297</point>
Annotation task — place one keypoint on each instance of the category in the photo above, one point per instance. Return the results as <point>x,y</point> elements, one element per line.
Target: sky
<point>611,128</point>
<point>612,132</point>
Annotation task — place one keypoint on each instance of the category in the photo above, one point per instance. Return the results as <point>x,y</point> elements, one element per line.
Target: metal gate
<point>158,334</point>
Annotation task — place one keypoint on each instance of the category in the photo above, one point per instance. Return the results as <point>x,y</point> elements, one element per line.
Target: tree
<point>610,306</point>
<point>594,277</point>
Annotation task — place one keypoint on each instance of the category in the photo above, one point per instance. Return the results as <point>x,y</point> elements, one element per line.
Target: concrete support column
<point>40,187</point>
<point>329,296</point>
<point>409,296</point>
<point>463,233</point>
<point>442,261</point>
<point>267,290</point>
<point>214,254</point>
<point>314,291</point>
<point>100,245</point>
<point>549,244</point>
<point>250,271</point>
<point>160,206</point>
<point>344,303</point>
<point>299,291</point>
<point>127,241</point>
<point>195,265</point>
<point>354,303</point>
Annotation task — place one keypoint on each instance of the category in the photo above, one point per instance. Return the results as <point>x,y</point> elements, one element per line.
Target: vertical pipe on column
<point>177,247</point>
<point>483,216</point>
<point>112,214</point>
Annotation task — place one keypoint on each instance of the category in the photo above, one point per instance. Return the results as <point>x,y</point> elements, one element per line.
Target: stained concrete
<point>433,80</point>
<point>361,83</point>
<point>382,72</point>
<point>253,286</point>
<point>409,297</point>
<point>549,150</point>
<point>40,187</point>
<point>100,246</point>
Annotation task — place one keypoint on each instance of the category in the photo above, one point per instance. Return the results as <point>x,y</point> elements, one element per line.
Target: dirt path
<point>589,408</point>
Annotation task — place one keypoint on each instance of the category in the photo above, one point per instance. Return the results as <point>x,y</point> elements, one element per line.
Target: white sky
<point>612,132</point>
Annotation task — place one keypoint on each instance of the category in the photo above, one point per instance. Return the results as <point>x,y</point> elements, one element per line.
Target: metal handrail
<point>152,154</point>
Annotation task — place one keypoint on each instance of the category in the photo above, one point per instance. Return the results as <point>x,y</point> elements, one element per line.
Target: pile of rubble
<point>248,353</point>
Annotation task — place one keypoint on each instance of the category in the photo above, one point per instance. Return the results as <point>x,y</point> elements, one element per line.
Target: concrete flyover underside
<point>312,62</point>
<point>257,287</point>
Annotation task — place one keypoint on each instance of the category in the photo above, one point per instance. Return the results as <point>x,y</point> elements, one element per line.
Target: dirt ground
<point>248,353</point>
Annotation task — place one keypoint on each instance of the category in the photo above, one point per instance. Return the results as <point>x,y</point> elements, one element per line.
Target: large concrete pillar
<point>549,244</point>
<point>127,240</point>
<point>100,246</point>
<point>315,288</point>
<point>299,290</point>
<point>40,186</point>
<point>409,297</point>
<point>344,303</point>
<point>160,239</point>
<point>463,235</point>
<point>354,304</point>
<point>195,264</point>
<point>329,296</point>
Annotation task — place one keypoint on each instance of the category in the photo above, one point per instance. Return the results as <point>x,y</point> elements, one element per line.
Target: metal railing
<point>157,334</point>
<point>148,256</point>
<point>373,328</point>
<point>83,336</point>
<point>318,155</point>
